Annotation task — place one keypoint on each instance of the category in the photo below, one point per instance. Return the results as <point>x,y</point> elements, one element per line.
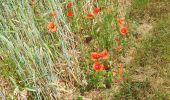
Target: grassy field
<point>85,49</point>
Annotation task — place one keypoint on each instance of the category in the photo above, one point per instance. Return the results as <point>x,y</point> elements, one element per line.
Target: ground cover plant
<point>84,49</point>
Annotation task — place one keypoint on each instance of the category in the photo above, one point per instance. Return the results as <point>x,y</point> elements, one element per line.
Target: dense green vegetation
<point>39,64</point>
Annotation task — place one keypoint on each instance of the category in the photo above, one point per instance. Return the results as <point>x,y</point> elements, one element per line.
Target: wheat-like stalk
<point>43,60</point>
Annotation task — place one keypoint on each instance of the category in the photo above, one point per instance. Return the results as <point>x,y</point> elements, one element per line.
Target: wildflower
<point>114,73</point>
<point>70,13</point>
<point>103,54</point>
<point>123,30</point>
<point>69,4</point>
<point>90,16</point>
<point>96,10</point>
<point>94,56</point>
<point>81,28</point>
<point>121,65</point>
<point>53,14</point>
<point>51,27</point>
<point>121,22</point>
<point>97,66</point>
<point>105,67</point>
<point>121,79</point>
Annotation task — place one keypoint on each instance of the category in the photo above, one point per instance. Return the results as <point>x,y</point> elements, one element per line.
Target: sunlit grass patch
<point>152,60</point>
<point>150,10</point>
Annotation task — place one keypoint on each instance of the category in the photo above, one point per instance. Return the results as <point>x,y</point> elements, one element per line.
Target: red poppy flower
<point>123,30</point>
<point>96,10</point>
<point>70,13</point>
<point>53,14</point>
<point>90,16</point>
<point>94,56</point>
<point>121,65</point>
<point>103,54</point>
<point>121,79</point>
<point>51,27</point>
<point>97,66</point>
<point>121,22</point>
<point>114,73</point>
<point>105,67</point>
<point>69,4</point>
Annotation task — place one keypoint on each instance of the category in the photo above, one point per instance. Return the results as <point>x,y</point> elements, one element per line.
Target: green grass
<point>49,65</point>
<point>149,9</point>
<point>148,75</point>
<point>150,67</point>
